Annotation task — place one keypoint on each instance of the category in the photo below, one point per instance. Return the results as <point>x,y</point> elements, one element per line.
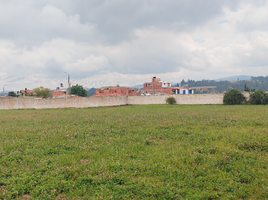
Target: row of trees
<point>46,92</point>
<point>234,97</point>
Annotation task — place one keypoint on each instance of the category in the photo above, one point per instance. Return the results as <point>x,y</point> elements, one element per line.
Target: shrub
<point>264,99</point>
<point>234,97</point>
<point>258,97</point>
<point>171,100</point>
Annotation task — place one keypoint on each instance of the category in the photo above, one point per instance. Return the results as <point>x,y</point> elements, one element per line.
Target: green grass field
<point>135,152</point>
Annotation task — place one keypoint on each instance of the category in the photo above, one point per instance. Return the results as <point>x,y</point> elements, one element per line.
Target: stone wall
<point>34,103</point>
<point>30,103</point>
<point>180,99</point>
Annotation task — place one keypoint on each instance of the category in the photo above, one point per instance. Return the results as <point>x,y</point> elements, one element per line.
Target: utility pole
<point>4,89</point>
<point>69,84</point>
<point>153,86</point>
<point>153,81</point>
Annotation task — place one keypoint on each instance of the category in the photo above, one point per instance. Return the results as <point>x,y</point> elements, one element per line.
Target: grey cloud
<point>134,37</point>
<point>110,21</point>
<point>29,26</point>
<point>116,20</point>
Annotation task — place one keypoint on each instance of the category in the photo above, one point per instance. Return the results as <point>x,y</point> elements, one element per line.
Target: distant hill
<point>213,86</point>
<point>234,78</point>
<point>6,92</point>
<point>138,86</point>
<point>90,92</point>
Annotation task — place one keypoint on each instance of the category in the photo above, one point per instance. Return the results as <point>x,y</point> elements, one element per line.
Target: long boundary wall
<point>180,99</point>
<point>34,103</point>
<point>82,102</point>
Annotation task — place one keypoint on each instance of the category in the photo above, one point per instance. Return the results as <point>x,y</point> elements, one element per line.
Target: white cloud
<point>3,75</point>
<point>55,22</point>
<point>89,64</point>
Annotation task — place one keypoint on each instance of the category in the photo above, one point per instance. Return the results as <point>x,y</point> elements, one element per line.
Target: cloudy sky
<point>126,42</point>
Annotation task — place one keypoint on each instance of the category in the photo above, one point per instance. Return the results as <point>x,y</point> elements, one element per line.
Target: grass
<point>135,152</point>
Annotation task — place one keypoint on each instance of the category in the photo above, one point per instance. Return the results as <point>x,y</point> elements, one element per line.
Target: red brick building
<point>62,93</point>
<point>26,92</point>
<point>116,91</point>
<point>158,86</point>
<point>59,93</point>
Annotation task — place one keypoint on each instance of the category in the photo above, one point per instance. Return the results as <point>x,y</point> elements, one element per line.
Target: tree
<point>257,97</point>
<point>246,89</point>
<point>234,97</point>
<point>78,90</point>
<point>264,99</point>
<point>42,92</point>
<point>12,94</point>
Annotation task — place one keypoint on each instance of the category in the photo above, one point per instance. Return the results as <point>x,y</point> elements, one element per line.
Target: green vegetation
<point>234,97</point>
<point>78,90</point>
<point>258,82</point>
<point>171,100</point>
<point>42,92</point>
<point>12,94</point>
<point>258,97</point>
<point>135,152</point>
<point>246,89</point>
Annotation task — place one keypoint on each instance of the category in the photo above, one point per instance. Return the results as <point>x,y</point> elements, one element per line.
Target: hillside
<point>234,78</point>
<point>213,86</point>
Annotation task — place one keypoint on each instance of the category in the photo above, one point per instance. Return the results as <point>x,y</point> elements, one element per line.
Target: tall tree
<point>78,90</point>
<point>246,89</point>
<point>42,92</point>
